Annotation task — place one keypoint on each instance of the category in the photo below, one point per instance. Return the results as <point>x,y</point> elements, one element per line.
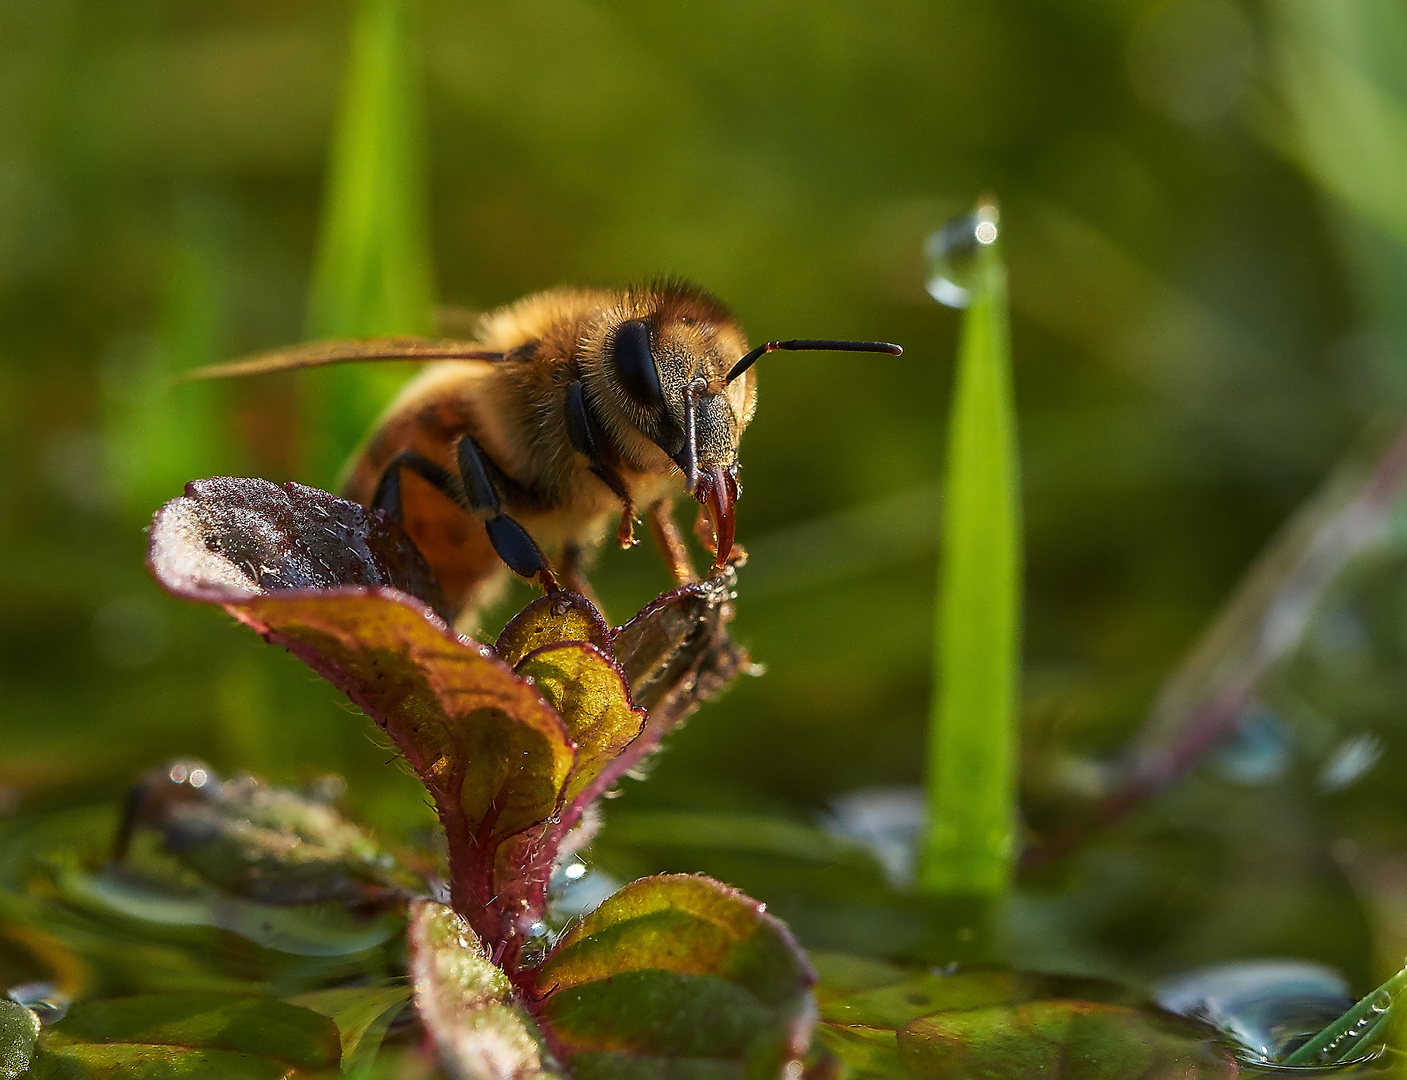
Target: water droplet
<point>44,999</point>
<point>950,254</point>
<point>1382,1002</point>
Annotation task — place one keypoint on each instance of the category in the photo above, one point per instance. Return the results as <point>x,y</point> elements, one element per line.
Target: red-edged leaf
<point>511,759</point>
<point>229,537</point>
<point>677,975</point>
<point>494,755</point>
<point>676,653</point>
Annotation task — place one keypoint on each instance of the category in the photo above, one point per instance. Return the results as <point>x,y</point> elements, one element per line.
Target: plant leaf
<point>362,1015</point>
<point>230,538</point>
<point>269,844</point>
<point>374,273</point>
<point>551,620</point>
<point>677,975</point>
<point>586,687</point>
<point>970,841</point>
<point>467,1003</point>
<point>169,1035</point>
<point>676,652</point>
<point>511,758</point>
<point>493,754</point>
<point>19,1032</point>
<point>1075,1040</point>
<point>883,1021</point>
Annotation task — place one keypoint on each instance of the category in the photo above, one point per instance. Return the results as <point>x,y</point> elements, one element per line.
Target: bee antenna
<point>812,345</point>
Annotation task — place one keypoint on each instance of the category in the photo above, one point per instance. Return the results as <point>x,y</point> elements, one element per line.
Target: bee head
<point>663,368</point>
<point>670,370</point>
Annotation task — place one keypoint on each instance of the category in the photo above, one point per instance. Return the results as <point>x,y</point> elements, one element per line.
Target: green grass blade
<point>158,434</point>
<point>969,845</point>
<point>374,272</point>
<point>1340,113</point>
<point>1358,1032</point>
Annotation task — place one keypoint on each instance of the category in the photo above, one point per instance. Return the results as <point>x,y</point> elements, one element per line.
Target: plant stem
<point>969,846</point>
<point>374,272</point>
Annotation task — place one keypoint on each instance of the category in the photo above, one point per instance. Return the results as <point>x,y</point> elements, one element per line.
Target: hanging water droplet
<point>1382,1002</point>
<point>950,253</point>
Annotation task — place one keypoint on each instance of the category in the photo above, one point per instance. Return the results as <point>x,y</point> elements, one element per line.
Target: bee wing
<point>318,353</point>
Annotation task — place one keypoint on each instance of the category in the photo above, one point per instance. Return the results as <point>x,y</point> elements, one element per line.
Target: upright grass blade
<point>374,273</point>
<point>158,434</point>
<point>969,843</point>
<point>1340,112</point>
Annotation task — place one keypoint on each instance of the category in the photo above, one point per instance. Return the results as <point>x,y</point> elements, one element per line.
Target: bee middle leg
<point>481,478</point>
<point>477,494</point>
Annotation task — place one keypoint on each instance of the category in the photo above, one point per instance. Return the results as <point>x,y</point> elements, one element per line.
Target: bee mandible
<point>569,406</point>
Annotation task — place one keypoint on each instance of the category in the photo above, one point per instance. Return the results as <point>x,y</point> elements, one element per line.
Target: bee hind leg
<point>388,488</point>
<point>514,545</point>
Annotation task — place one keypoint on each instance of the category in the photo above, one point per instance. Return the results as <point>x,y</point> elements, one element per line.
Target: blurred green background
<point>1204,210</point>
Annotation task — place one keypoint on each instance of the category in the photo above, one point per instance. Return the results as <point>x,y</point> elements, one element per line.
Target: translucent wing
<point>318,353</point>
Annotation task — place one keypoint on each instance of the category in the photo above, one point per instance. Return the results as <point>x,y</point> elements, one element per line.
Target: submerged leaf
<point>269,844</point>
<point>165,1035</point>
<point>1074,1040</point>
<point>362,1015</point>
<point>882,1021</point>
<point>467,1003</point>
<point>677,975</point>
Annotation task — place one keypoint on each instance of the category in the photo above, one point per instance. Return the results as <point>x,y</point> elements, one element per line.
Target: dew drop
<point>1382,1002</point>
<point>950,253</point>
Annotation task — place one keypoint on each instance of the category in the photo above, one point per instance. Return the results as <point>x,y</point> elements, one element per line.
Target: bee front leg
<point>584,435</point>
<point>512,542</point>
<point>670,542</point>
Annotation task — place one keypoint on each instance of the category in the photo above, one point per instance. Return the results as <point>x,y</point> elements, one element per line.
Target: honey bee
<point>569,406</point>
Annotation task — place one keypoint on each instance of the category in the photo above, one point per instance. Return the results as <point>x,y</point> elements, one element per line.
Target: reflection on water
<point>1270,1007</point>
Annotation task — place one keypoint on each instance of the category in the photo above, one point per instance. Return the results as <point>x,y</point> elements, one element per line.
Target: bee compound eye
<point>634,364</point>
